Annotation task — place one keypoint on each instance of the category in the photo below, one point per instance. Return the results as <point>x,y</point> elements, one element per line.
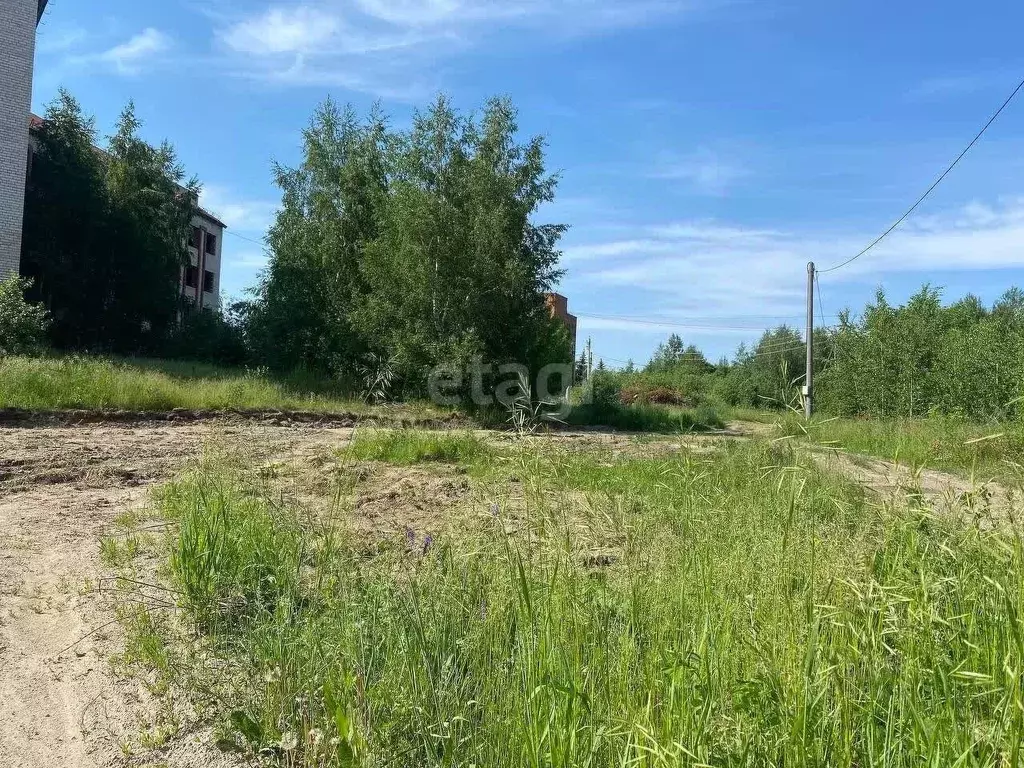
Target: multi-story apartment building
<point>18,20</point>
<point>200,281</point>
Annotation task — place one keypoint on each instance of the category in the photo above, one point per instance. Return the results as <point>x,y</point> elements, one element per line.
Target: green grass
<point>103,383</point>
<point>646,418</point>
<point>413,447</point>
<point>746,610</point>
<point>983,451</point>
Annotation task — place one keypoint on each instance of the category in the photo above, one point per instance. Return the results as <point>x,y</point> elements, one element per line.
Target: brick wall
<point>17,49</point>
<point>558,306</point>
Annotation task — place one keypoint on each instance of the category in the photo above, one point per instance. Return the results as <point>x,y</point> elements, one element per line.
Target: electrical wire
<point>670,324</point>
<point>243,237</point>
<point>935,184</point>
<point>821,306</point>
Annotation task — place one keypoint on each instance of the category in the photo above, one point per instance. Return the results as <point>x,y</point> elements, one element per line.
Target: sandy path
<point>61,488</point>
<point>989,502</point>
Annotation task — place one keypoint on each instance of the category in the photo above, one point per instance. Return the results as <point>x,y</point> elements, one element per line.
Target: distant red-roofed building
<point>558,306</point>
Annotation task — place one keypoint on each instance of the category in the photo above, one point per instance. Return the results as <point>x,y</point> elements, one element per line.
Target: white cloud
<point>412,12</point>
<point>241,215</point>
<point>951,86</point>
<point>706,171</point>
<point>393,47</point>
<point>128,57</point>
<point>297,30</point>
<point>59,41</point>
<point>701,270</point>
<point>247,260</point>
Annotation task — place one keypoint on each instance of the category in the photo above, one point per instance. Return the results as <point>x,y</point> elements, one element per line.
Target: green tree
<point>416,247</point>
<point>922,356</point>
<point>331,208</point>
<point>151,210</point>
<point>580,373</point>
<point>22,324</point>
<point>460,269</point>
<point>105,232</point>
<point>67,249</point>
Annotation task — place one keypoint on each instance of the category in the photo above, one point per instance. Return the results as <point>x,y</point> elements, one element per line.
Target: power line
<point>936,183</point>
<point>243,237</point>
<point>821,307</point>
<point>670,324</point>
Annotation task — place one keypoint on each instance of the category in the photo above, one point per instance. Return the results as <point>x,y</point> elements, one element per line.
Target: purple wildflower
<point>495,509</point>
<point>410,537</point>
<point>427,543</point>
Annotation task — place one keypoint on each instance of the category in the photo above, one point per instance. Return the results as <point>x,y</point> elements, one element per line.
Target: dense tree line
<point>922,357</point>
<point>394,251</point>
<point>410,249</point>
<point>105,232</point>
<point>965,358</point>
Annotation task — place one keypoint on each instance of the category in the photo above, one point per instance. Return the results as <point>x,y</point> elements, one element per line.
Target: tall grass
<point>413,447</point>
<point>984,450</point>
<point>646,418</point>
<point>103,383</point>
<point>746,610</point>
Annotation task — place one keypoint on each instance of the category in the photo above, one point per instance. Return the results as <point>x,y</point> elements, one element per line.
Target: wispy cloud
<point>709,270</point>
<point>129,57</point>
<point>251,217</point>
<point>384,46</point>
<point>950,86</point>
<point>295,31</point>
<point>59,41</point>
<point>705,171</point>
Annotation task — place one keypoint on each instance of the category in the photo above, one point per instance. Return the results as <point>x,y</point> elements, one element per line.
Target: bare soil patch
<point>413,502</point>
<point>987,501</point>
<point>61,488</point>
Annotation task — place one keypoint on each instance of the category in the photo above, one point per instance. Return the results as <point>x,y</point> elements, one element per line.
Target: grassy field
<point>981,451</point>
<point>590,608</point>
<point>139,384</point>
<point>154,385</point>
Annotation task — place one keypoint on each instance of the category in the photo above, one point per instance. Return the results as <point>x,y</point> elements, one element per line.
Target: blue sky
<point>708,148</point>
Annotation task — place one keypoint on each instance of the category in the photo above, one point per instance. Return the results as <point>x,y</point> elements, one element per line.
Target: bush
<point>23,325</point>
<point>602,402</point>
<point>643,393</point>
<point>206,336</point>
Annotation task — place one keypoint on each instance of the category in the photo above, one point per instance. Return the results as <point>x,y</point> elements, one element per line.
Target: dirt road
<point>61,488</point>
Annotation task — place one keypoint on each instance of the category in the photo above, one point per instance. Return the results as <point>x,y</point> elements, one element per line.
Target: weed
<point>744,609</point>
<point>118,551</point>
<point>89,382</point>
<point>413,447</point>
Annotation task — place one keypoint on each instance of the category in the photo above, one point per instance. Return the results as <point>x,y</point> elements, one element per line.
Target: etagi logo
<point>514,386</point>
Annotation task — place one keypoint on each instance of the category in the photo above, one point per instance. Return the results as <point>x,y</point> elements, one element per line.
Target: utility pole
<point>809,378</point>
<point>590,358</point>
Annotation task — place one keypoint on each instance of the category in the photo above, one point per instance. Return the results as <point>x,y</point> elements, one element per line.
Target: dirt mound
<point>24,417</point>
<point>414,502</point>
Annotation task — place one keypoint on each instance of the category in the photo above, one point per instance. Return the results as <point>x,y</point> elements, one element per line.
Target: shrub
<point>643,393</point>
<point>23,325</point>
<point>206,336</point>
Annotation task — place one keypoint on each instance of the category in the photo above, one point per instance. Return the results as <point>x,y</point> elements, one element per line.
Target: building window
<point>207,281</point>
<point>197,237</point>
<point>190,276</point>
<point>211,244</point>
